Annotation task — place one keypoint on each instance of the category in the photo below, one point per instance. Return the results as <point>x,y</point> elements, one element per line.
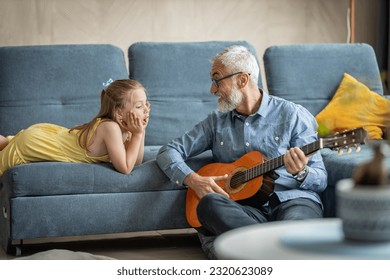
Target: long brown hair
<point>114,97</point>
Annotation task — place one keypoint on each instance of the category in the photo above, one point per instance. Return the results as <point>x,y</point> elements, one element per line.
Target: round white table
<point>300,240</point>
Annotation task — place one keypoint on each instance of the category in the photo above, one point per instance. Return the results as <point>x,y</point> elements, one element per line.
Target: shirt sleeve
<point>305,132</point>
<point>172,157</point>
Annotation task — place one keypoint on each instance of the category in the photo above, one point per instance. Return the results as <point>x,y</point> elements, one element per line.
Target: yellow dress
<point>46,142</point>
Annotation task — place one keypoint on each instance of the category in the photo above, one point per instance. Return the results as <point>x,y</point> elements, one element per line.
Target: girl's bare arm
<point>123,157</point>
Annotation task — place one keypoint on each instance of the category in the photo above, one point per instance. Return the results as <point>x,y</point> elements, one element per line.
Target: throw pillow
<point>354,105</point>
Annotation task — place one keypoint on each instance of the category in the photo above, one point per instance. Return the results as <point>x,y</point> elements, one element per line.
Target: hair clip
<point>106,84</point>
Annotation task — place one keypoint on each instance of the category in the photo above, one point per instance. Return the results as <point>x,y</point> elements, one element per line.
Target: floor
<point>157,245</point>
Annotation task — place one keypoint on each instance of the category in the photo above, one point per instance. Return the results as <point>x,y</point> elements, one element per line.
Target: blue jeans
<point>219,214</point>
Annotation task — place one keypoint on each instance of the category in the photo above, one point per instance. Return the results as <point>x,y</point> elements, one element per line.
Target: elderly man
<point>248,120</point>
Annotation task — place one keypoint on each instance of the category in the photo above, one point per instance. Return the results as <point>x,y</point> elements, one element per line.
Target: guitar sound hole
<point>237,180</point>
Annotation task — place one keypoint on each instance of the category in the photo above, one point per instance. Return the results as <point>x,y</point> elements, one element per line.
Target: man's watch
<point>301,175</point>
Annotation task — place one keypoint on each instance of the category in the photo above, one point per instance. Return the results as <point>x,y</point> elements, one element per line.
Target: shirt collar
<point>264,106</point>
<point>263,109</point>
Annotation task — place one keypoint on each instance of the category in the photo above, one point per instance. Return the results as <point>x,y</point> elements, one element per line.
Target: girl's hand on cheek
<point>123,123</point>
<point>135,124</point>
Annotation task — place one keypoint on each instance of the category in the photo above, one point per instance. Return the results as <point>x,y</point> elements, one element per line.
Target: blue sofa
<point>61,84</point>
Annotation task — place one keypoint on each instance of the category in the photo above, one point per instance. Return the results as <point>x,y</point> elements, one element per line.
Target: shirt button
<point>276,138</point>
<point>177,182</point>
<point>247,144</point>
<point>221,143</point>
<point>247,124</point>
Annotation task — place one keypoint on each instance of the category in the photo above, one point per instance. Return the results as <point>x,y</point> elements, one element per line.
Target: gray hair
<point>239,59</point>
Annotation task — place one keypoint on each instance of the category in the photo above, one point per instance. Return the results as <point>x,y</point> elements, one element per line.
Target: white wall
<point>123,22</point>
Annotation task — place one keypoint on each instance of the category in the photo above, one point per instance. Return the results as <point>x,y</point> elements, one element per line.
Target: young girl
<point>115,135</point>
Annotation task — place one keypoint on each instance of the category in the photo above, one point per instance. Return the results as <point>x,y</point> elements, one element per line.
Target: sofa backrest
<point>310,74</point>
<point>177,78</point>
<point>59,84</point>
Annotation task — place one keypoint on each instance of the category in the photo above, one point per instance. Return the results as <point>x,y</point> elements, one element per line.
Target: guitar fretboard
<point>258,170</point>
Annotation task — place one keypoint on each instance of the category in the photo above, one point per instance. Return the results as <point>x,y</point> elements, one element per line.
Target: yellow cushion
<point>355,105</point>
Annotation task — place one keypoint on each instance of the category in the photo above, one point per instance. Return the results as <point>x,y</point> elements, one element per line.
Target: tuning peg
<point>358,148</point>
<point>339,152</point>
<point>349,150</point>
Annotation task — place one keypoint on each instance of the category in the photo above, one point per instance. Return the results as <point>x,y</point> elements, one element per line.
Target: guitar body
<point>246,174</point>
<point>243,191</point>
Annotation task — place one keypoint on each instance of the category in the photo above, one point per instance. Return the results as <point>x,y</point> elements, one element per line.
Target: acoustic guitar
<point>245,175</point>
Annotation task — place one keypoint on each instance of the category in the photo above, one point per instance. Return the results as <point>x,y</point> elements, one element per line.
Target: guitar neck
<point>353,137</point>
<point>277,162</point>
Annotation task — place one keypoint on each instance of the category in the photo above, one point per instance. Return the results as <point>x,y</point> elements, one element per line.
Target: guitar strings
<point>244,176</point>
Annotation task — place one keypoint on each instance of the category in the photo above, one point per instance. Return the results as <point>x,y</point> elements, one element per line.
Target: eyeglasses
<point>215,82</point>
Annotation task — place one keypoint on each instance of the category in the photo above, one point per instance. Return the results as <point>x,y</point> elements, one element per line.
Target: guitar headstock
<point>347,139</point>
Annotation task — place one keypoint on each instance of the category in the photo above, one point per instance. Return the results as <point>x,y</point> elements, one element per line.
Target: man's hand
<point>204,185</point>
<point>295,160</point>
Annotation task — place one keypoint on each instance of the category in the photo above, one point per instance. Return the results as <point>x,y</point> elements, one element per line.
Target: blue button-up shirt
<point>277,126</point>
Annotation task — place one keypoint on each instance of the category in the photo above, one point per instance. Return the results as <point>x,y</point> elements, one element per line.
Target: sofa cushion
<point>151,152</point>
<point>309,74</point>
<point>58,84</point>
<point>342,166</point>
<point>177,78</point>
<point>51,178</point>
<point>354,105</point>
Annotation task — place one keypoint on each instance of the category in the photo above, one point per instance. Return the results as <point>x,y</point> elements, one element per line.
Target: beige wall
<point>123,22</point>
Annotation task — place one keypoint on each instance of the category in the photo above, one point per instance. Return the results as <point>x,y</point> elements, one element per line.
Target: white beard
<point>231,103</point>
